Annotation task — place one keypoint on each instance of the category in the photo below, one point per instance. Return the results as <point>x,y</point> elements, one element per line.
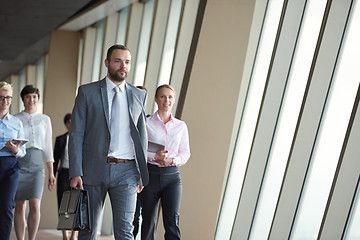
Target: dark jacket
<point>59,151</point>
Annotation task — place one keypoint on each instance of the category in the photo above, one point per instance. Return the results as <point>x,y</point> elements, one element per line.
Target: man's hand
<point>75,182</point>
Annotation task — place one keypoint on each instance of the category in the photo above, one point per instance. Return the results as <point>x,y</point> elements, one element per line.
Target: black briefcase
<point>74,211</point>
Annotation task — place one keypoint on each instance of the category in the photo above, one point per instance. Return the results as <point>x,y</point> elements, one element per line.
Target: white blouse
<point>38,131</point>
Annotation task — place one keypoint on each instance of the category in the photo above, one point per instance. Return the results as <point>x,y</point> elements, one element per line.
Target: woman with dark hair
<point>38,131</point>
<point>61,157</point>
<point>10,128</point>
<point>163,165</point>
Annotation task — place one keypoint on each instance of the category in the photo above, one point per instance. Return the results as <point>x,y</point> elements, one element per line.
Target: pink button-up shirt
<point>173,135</point>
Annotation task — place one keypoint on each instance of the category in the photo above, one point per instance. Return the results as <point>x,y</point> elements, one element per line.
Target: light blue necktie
<point>115,114</point>
<point>115,129</point>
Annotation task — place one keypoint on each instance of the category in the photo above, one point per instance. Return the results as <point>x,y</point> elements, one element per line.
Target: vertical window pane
<point>247,128</point>
<point>80,62</point>
<point>331,135</point>
<point>353,230</point>
<point>144,43</point>
<point>40,82</point>
<point>22,83</point>
<point>170,40</point>
<point>121,32</point>
<point>288,119</point>
<point>97,55</point>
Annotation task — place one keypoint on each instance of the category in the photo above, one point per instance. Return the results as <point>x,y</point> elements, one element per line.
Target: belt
<point>113,160</point>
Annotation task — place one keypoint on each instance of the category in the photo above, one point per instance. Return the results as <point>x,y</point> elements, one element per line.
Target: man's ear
<point>106,62</point>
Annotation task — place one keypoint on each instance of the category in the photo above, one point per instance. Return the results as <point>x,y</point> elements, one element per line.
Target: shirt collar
<point>158,117</point>
<point>7,116</point>
<point>110,85</point>
<point>29,114</point>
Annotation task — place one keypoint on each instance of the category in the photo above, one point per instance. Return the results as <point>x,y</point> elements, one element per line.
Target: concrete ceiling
<point>25,27</point>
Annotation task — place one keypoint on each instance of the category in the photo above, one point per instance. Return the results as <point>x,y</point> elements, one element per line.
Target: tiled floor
<point>46,234</point>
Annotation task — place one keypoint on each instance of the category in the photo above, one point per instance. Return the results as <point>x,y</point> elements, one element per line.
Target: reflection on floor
<point>52,234</point>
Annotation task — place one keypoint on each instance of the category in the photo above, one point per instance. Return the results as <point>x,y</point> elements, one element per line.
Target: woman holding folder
<point>10,128</point>
<point>164,176</point>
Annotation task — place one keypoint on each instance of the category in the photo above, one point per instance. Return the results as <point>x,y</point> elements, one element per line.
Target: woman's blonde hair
<point>165,86</point>
<point>4,86</point>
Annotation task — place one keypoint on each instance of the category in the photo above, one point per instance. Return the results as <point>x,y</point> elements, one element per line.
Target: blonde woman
<point>38,131</point>
<point>10,128</point>
<point>164,176</point>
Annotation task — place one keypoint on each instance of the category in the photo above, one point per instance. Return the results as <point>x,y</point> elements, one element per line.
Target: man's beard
<point>116,77</point>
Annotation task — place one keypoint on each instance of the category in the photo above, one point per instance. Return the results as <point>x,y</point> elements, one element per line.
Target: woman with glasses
<point>38,131</point>
<point>10,128</point>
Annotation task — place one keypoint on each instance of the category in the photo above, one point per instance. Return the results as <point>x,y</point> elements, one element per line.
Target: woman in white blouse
<point>38,131</point>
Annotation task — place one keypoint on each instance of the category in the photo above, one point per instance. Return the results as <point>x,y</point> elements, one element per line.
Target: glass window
<point>80,62</point>
<point>144,41</point>
<point>170,41</point>
<point>331,134</point>
<point>352,229</point>
<point>22,83</point>
<point>40,82</point>
<point>288,118</point>
<point>98,51</point>
<point>248,122</point>
<point>122,26</point>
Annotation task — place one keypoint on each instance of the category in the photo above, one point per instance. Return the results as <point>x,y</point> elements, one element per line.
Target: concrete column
<point>58,98</point>
<point>209,110</point>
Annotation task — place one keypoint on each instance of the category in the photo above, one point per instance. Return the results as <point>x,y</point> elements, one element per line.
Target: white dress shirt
<point>65,161</point>
<point>124,148</point>
<point>38,131</point>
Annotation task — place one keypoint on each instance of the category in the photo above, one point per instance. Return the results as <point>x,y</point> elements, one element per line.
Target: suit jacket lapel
<point>129,95</point>
<point>139,151</point>
<point>104,99</point>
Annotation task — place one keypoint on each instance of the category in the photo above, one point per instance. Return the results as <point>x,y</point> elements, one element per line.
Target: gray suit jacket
<point>90,133</point>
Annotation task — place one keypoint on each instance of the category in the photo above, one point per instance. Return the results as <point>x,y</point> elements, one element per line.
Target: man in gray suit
<point>108,144</point>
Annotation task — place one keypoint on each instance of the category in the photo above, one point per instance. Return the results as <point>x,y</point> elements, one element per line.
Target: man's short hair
<point>67,118</point>
<point>113,47</point>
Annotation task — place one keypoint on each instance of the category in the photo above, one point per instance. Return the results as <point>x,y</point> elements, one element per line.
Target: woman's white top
<point>38,131</point>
